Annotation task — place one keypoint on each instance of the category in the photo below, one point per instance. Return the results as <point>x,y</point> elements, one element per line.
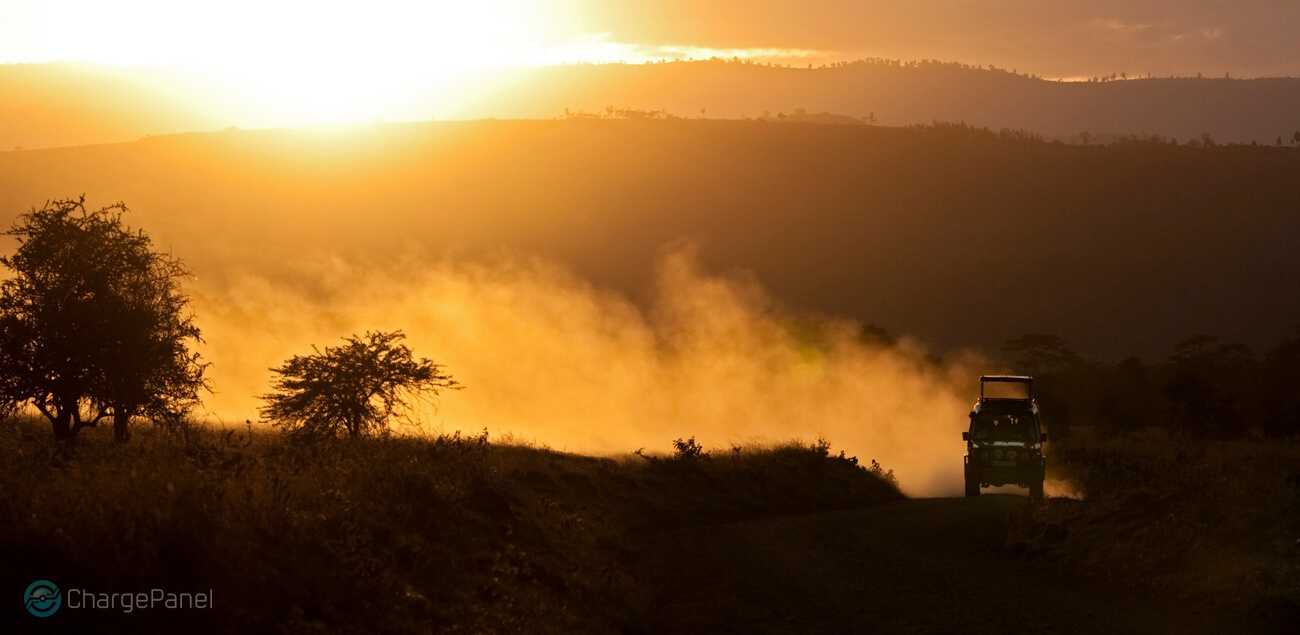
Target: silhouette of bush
<point>880,473</point>
<point>688,451</point>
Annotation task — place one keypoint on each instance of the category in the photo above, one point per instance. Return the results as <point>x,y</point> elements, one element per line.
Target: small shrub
<point>821,447</point>
<point>688,451</point>
<point>880,472</point>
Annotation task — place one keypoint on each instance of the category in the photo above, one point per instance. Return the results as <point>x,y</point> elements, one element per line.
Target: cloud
<point>1168,32</point>
<point>1116,26</point>
<point>599,47</point>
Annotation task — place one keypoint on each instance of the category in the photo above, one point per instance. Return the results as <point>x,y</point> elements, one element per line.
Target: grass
<point>402,534</point>
<point>1217,522</point>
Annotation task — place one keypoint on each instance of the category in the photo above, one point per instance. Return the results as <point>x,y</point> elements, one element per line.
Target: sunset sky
<point>1051,38</point>
<point>352,61</point>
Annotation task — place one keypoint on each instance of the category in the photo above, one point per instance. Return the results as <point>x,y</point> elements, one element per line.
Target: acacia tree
<point>358,387</point>
<point>93,322</point>
<point>1036,353</point>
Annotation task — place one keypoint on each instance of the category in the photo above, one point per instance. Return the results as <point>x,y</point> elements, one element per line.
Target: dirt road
<point>917,566</point>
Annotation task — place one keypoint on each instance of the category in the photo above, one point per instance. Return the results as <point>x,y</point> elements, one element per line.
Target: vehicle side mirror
<point>965,436</point>
<point>1043,438</point>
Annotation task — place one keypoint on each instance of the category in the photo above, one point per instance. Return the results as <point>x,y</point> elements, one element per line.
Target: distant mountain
<point>948,233</point>
<point>65,104</point>
<point>1230,110</point>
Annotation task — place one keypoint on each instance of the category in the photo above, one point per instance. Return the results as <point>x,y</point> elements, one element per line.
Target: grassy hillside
<point>951,234</point>
<point>384,535</point>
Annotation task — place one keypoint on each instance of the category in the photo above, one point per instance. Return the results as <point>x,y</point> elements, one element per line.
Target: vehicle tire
<point>972,486</point>
<point>1036,489</point>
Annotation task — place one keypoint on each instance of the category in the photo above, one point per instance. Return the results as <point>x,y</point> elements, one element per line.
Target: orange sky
<point>1051,38</point>
<point>1056,38</point>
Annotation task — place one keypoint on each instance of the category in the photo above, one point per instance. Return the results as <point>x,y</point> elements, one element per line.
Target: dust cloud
<point>547,356</point>
<point>1060,488</point>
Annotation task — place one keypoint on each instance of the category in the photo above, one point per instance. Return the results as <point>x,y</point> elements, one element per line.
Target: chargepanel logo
<point>43,598</point>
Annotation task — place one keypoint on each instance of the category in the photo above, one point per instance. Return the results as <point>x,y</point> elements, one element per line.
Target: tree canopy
<point>1036,353</point>
<point>358,387</point>
<point>93,322</point>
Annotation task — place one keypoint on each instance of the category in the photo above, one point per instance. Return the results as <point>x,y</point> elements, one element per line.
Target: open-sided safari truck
<point>1004,444</point>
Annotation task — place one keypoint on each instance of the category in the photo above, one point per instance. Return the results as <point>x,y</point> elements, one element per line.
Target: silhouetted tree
<point>1051,362</point>
<point>357,387</point>
<point>875,335</point>
<point>1208,389</point>
<point>93,322</point>
<point>1036,353</point>
<point>1127,401</point>
<point>1280,389</point>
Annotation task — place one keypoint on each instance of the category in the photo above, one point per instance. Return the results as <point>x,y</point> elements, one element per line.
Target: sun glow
<point>323,60</point>
<point>289,62</point>
<point>295,62</point>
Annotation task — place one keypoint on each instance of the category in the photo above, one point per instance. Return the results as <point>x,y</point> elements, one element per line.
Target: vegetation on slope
<point>1208,388</point>
<point>395,534</point>
<point>1210,520</point>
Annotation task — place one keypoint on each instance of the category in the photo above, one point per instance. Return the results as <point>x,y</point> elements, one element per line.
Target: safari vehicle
<point>1004,444</point>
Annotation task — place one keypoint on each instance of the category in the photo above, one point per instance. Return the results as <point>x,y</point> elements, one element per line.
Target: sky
<point>343,61</point>
<point>1051,38</point>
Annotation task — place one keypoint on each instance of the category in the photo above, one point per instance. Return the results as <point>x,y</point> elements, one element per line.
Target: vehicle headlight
<point>984,454</point>
<point>1011,455</point>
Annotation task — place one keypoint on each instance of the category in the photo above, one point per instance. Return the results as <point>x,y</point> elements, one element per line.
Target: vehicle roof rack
<point>1008,379</point>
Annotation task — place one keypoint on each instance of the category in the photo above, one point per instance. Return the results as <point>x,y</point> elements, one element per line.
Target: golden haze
<point>548,356</point>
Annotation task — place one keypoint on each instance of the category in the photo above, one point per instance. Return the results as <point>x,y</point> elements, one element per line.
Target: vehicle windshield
<point>1004,427</point>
